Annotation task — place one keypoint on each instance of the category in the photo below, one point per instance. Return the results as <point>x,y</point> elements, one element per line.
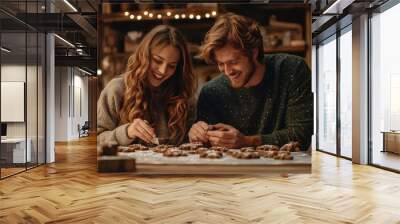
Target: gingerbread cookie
<point>267,148</point>
<point>211,154</point>
<point>161,148</point>
<point>233,152</point>
<point>247,149</point>
<point>268,154</point>
<point>249,155</point>
<point>283,156</point>
<point>291,147</point>
<point>246,154</point>
<point>174,152</point>
<point>190,146</point>
<point>137,147</point>
<point>125,149</point>
<point>131,148</point>
<point>219,149</point>
<point>201,150</point>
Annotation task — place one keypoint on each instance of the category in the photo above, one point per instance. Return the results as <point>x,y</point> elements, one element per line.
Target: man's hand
<point>141,129</point>
<point>198,132</point>
<point>227,136</point>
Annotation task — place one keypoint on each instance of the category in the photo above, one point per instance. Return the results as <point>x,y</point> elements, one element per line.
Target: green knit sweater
<point>279,109</point>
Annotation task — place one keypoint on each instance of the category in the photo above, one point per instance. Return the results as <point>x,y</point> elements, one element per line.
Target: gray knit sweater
<point>109,126</point>
<point>110,129</point>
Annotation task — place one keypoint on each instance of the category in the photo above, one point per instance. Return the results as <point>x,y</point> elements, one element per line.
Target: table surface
<point>150,157</point>
<point>149,162</point>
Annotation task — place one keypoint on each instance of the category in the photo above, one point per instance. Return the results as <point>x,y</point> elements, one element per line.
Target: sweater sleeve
<point>108,128</point>
<point>205,107</point>
<point>300,109</point>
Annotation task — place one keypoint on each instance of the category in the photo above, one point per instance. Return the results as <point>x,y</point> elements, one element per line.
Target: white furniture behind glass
<point>13,150</point>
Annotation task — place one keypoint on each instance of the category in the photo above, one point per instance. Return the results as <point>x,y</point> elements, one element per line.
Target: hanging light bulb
<point>198,17</point>
<point>191,16</point>
<point>214,13</point>
<point>126,13</point>
<point>131,16</point>
<point>169,13</point>
<point>145,13</point>
<point>159,16</point>
<point>183,16</point>
<point>151,15</point>
<point>176,16</point>
<point>207,15</point>
<point>139,17</point>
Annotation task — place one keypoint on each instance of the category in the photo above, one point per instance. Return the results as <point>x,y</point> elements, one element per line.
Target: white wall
<point>33,127</point>
<point>12,73</point>
<point>71,93</point>
<point>61,103</point>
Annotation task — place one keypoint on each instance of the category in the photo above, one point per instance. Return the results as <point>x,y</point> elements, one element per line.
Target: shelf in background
<point>284,49</point>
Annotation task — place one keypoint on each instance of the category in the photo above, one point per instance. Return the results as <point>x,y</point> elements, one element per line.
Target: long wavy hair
<point>175,94</point>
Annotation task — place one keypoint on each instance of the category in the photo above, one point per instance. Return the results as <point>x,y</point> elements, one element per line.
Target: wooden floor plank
<point>72,191</point>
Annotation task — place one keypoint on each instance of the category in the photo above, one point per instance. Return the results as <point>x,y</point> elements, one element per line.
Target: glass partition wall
<point>334,94</point>
<point>345,62</point>
<point>385,89</point>
<point>22,77</point>
<point>327,95</point>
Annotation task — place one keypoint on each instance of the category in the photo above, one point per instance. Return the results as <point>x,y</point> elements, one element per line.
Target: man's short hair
<point>238,31</point>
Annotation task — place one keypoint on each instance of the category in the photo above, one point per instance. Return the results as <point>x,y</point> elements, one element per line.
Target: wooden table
<point>149,162</point>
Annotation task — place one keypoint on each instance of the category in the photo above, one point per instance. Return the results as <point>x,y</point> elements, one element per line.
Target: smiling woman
<point>153,98</point>
<point>163,64</point>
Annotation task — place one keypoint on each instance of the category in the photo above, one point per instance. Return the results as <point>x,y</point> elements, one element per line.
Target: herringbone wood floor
<point>71,191</point>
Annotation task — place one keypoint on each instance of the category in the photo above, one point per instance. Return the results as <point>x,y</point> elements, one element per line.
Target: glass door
<point>345,42</point>
<point>327,95</point>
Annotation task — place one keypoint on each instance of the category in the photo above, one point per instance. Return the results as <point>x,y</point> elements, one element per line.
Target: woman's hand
<point>141,129</point>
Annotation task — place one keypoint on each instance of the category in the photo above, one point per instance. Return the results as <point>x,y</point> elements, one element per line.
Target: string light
<point>169,13</point>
